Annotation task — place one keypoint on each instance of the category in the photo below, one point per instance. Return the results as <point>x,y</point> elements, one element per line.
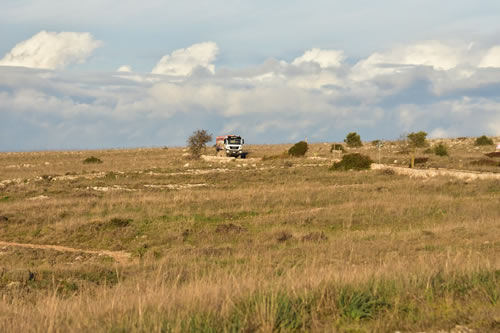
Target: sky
<point>111,74</point>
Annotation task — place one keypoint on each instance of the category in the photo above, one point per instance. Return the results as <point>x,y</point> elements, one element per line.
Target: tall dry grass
<point>285,245</point>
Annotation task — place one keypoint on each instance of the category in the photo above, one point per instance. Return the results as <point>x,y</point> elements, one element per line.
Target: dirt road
<point>119,256</point>
<point>429,173</point>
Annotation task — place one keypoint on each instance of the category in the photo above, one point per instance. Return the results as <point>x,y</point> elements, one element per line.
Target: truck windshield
<point>234,141</point>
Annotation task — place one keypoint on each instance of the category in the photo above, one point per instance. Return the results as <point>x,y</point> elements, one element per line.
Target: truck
<point>230,145</point>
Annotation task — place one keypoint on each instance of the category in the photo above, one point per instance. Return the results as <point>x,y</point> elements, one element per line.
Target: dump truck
<point>230,145</point>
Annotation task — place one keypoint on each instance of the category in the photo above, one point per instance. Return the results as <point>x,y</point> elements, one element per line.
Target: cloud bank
<point>184,61</point>
<point>444,88</point>
<point>51,50</point>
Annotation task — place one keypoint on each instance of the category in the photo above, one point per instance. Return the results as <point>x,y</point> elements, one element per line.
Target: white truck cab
<point>231,145</point>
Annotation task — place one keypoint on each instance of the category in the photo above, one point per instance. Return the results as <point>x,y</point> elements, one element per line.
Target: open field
<point>149,240</point>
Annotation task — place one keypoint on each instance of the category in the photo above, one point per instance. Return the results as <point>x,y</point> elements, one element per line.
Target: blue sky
<point>129,73</point>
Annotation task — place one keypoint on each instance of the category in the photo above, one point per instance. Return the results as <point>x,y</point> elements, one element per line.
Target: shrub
<point>376,142</point>
<point>92,160</point>
<point>337,146</point>
<point>197,142</point>
<point>353,162</point>
<point>417,139</point>
<point>421,160</point>
<point>441,150</point>
<point>298,149</point>
<point>483,141</point>
<point>353,140</point>
<point>120,222</point>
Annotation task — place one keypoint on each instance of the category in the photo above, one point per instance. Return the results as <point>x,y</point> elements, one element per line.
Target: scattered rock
<point>218,159</point>
<point>174,186</point>
<point>111,188</point>
<point>430,173</point>
<point>40,197</point>
<point>3,218</point>
<point>13,285</point>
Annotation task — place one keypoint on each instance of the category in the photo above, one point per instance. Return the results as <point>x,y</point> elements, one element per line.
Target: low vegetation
<point>298,149</point>
<point>92,160</point>
<point>483,141</point>
<point>353,161</point>
<point>197,142</point>
<point>418,139</point>
<point>440,150</point>
<point>353,140</point>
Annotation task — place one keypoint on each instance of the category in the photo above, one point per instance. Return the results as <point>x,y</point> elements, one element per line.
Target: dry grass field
<point>151,241</point>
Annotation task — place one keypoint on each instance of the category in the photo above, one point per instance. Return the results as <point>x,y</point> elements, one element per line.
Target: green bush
<point>352,162</point>
<point>353,140</point>
<point>92,160</point>
<point>441,150</point>
<point>483,141</point>
<point>197,142</point>
<point>298,149</point>
<point>417,139</point>
<point>337,146</point>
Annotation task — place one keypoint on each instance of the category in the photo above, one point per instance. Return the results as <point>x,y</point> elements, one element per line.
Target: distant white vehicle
<point>498,146</point>
<point>231,145</point>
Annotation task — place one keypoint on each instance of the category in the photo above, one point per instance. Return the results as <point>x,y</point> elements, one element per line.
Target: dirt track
<point>429,173</point>
<point>119,256</point>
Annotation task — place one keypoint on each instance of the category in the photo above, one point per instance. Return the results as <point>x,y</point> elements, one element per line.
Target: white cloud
<point>492,58</point>
<point>124,69</point>
<point>441,133</point>
<point>324,58</point>
<point>274,100</point>
<point>51,50</point>
<point>438,55</point>
<point>183,62</point>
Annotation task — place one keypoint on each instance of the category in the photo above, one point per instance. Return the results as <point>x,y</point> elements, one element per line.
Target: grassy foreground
<point>250,245</point>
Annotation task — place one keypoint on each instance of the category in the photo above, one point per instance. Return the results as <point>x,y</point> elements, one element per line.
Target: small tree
<point>418,139</point>
<point>298,149</point>
<point>441,150</point>
<point>352,162</point>
<point>197,142</point>
<point>353,140</point>
<point>483,141</point>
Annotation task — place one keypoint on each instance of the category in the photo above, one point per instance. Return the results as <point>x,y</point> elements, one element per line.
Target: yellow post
<point>413,158</point>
